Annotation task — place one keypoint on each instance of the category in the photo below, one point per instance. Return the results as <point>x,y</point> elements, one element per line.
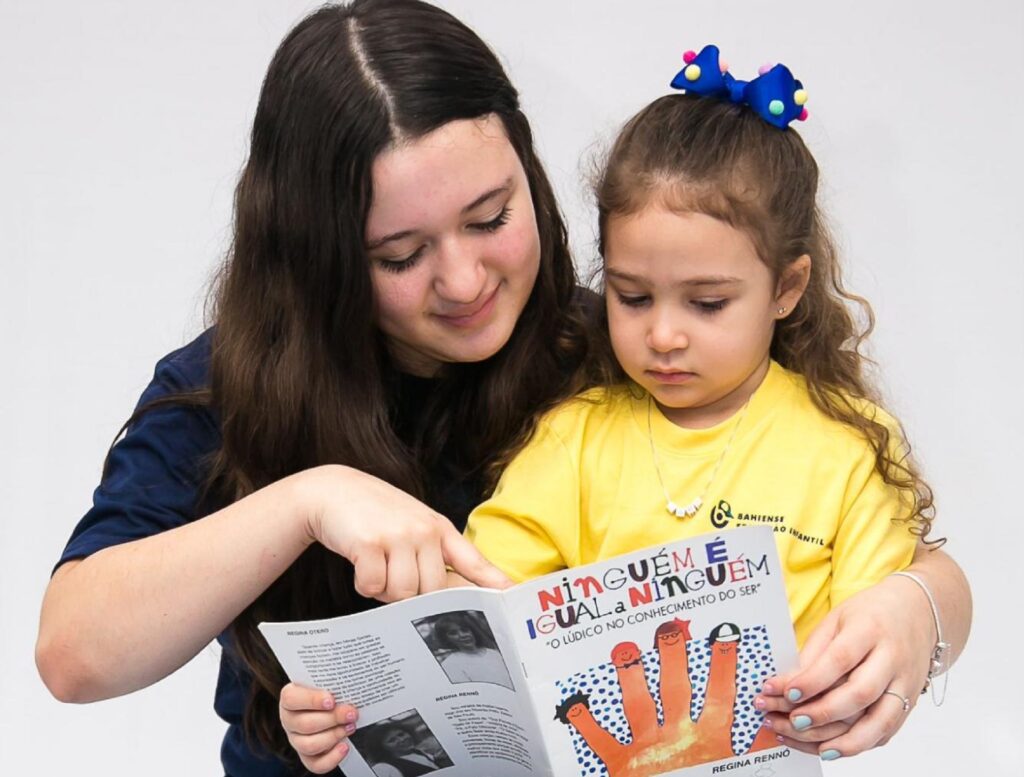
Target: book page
<point>436,679</point>
<point>649,663</point>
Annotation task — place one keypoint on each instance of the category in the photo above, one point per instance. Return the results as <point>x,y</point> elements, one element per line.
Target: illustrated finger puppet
<point>625,654</point>
<point>671,633</point>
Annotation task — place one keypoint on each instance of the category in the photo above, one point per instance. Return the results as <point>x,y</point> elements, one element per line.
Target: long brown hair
<point>713,157</point>
<point>300,374</point>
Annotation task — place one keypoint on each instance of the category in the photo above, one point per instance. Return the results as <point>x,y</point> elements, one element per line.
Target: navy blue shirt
<point>155,480</point>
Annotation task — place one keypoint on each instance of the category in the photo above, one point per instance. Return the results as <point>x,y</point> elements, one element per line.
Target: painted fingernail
<point>769,688</point>
<point>343,749</point>
<point>767,723</point>
<point>780,738</point>
<point>830,755</point>
<point>760,703</point>
<point>800,722</point>
<point>350,728</point>
<point>328,702</point>
<point>351,715</point>
<point>795,694</point>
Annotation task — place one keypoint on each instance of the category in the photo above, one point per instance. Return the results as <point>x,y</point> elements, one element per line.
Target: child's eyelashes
<point>703,306</point>
<point>709,306</point>
<point>633,300</point>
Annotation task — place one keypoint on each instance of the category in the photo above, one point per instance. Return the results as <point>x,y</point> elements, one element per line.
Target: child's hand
<point>876,642</point>
<point>317,727</point>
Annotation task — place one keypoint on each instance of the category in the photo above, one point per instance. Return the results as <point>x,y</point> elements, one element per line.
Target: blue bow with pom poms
<point>774,95</point>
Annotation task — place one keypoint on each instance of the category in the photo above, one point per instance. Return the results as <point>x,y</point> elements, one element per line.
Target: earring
<point>782,311</point>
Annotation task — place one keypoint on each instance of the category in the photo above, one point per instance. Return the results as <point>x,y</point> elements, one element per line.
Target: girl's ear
<point>792,284</point>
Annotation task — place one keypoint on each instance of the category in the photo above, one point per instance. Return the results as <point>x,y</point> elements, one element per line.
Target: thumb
<point>463,557</point>
<point>818,641</point>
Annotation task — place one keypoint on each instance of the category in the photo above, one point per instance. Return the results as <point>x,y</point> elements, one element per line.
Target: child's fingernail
<point>795,694</point>
<point>760,703</point>
<point>767,723</point>
<point>830,755</point>
<point>769,688</point>
<point>343,749</point>
<point>328,702</point>
<point>780,738</point>
<point>800,722</point>
<point>350,716</point>
<point>350,728</point>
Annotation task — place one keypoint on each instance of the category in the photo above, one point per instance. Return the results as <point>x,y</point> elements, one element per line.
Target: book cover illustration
<point>681,703</point>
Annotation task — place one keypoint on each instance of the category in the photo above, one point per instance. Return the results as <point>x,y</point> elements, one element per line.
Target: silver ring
<point>904,699</point>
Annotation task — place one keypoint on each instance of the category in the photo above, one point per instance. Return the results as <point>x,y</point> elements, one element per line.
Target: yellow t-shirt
<point>585,489</point>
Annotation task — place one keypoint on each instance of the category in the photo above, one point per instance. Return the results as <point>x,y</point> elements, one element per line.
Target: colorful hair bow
<point>774,95</point>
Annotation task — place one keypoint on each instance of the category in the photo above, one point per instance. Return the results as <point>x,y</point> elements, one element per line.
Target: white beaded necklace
<point>689,510</point>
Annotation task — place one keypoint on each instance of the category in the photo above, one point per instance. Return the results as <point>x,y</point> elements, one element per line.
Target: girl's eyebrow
<point>505,186</point>
<point>701,280</point>
<point>497,190</point>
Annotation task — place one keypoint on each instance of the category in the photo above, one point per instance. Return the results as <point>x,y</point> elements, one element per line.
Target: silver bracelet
<point>938,662</point>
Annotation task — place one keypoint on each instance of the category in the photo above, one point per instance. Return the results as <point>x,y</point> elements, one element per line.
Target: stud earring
<point>782,311</point>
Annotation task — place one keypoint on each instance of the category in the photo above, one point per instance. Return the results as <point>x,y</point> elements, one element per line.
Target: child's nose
<point>666,333</point>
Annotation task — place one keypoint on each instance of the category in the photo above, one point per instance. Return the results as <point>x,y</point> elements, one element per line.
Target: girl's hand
<point>398,546</point>
<point>837,704</point>
<point>317,728</point>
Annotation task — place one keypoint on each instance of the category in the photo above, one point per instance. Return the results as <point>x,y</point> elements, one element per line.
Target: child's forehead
<point>657,225</point>
<point>662,245</point>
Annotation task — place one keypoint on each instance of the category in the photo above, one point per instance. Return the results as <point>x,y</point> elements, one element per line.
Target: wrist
<point>920,614</point>
<point>309,496</point>
<point>939,662</point>
<point>922,620</point>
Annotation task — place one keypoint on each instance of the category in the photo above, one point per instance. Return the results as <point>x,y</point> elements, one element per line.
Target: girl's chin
<point>479,349</point>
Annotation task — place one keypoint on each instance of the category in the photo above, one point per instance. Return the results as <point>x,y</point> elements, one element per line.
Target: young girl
<point>733,393</point>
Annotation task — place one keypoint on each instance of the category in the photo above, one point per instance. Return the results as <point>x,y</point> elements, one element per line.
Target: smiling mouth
<point>471,315</point>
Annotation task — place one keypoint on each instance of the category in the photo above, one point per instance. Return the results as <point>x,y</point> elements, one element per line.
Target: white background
<point>123,126</point>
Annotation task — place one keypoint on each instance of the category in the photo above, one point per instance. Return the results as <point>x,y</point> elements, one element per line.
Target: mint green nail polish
<point>800,722</point>
<point>795,694</point>
<point>830,755</point>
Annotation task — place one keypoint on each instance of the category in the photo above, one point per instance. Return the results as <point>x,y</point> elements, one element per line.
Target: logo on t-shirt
<point>723,515</point>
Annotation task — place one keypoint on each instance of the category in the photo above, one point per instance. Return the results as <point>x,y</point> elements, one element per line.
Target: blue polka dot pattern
<point>754,666</point>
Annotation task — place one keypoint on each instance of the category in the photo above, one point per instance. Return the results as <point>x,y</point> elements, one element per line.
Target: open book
<point>645,664</point>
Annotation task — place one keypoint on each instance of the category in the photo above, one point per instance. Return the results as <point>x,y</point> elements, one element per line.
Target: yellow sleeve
<point>873,539</point>
<point>530,525</point>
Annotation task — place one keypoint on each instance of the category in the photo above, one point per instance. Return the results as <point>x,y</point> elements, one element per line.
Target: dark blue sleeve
<point>156,473</point>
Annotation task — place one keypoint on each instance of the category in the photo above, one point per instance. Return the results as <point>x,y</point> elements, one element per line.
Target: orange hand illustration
<point>678,740</point>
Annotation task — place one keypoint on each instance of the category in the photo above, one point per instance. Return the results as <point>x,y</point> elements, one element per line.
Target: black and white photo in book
<point>401,746</point>
<point>464,646</point>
